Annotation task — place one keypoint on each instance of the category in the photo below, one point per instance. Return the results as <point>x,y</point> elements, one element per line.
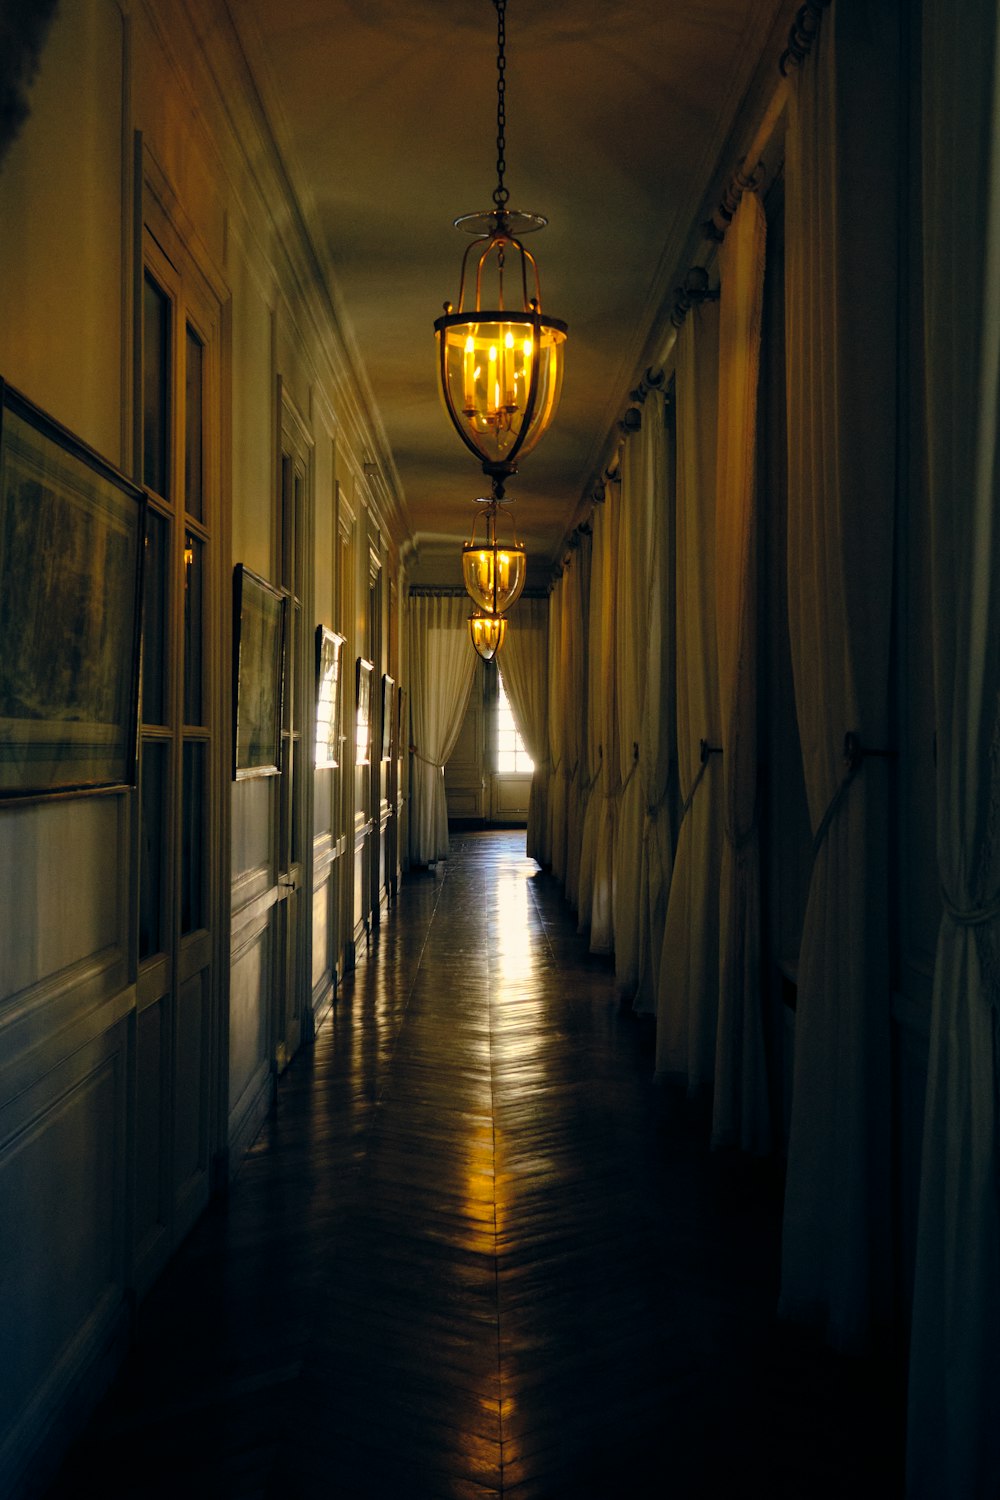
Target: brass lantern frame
<point>492,625</point>
<point>494,605</point>
<point>493,411</point>
<point>530,324</point>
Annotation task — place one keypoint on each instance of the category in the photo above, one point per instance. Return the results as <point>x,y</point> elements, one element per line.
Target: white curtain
<point>555,812</point>
<point>841,164</point>
<point>575,709</point>
<point>523,664</point>
<point>595,886</point>
<point>442,666</point>
<point>954,1408</point>
<point>687,1004</point>
<point>657,734</point>
<point>741,1113</point>
<point>604,791</point>
<point>631,651</point>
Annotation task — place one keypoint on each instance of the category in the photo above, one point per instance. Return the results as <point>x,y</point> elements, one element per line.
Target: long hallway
<point>476,1252</point>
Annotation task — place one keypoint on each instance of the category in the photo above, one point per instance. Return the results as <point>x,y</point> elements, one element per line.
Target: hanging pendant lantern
<point>500,367</point>
<point>488,634</point>
<point>493,572</point>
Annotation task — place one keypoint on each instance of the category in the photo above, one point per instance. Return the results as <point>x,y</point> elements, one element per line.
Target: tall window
<point>512,758</point>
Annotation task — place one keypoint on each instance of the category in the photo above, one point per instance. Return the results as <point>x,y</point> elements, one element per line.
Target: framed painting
<point>258,658</point>
<point>363,723</point>
<point>388,714</point>
<point>71,530</point>
<point>328,648</point>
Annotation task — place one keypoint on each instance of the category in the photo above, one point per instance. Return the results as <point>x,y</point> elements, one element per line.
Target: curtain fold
<point>442,667</point>
<point>657,733</point>
<point>604,792</point>
<point>841,363</point>
<point>741,1111</point>
<point>595,719</point>
<point>523,666</point>
<point>552,728</point>
<point>575,701</point>
<point>558,761</point>
<point>631,649</point>
<point>954,1397</point>
<point>687,1003</point>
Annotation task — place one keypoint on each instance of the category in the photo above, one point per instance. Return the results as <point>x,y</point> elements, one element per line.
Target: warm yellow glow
<point>494,578</point>
<point>470,376</point>
<point>488,633</point>
<point>491,376</point>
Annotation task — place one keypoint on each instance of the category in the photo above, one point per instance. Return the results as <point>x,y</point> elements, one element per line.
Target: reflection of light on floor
<point>512,946</point>
<point>480,1193</point>
<point>518,996</point>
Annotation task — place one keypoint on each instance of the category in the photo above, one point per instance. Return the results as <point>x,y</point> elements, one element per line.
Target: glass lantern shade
<point>500,376</point>
<point>493,575</point>
<point>488,634</point>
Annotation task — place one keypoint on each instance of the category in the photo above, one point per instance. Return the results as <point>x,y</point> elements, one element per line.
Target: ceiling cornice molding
<point>220,79</point>
<point>763,85</point>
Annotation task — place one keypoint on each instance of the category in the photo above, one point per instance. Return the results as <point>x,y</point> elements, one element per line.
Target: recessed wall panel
<point>59,1205</point>
<point>59,870</point>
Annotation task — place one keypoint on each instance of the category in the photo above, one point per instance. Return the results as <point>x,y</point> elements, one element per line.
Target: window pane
<point>155,387</point>
<point>194,375</point>
<point>512,758</point>
<point>193,839</point>
<point>194,617</point>
<point>154,619</point>
<point>152,846</point>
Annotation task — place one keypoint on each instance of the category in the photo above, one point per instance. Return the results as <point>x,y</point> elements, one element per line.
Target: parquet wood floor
<point>475,1252</point>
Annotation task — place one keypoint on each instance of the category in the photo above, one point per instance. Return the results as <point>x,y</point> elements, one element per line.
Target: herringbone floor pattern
<point>476,1252</point>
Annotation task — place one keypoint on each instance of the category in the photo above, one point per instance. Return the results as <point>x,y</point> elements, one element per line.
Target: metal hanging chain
<point>500,193</point>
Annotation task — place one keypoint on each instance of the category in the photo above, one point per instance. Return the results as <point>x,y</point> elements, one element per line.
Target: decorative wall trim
<point>322,1001</point>
<point>249,922</point>
<point>247,1116</point>
<point>59,1015</point>
<point>78,1373</point>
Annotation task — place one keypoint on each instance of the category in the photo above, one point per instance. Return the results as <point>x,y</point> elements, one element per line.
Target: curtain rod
<point>695,288</point>
<point>802,34</point>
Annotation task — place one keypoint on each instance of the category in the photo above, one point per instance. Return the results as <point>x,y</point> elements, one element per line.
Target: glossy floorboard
<point>476,1252</point>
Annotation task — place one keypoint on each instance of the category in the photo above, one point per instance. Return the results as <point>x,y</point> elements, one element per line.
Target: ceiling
<point>622,117</point>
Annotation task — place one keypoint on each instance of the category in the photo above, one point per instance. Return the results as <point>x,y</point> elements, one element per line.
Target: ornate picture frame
<point>258,661</point>
<point>388,715</point>
<point>363,718</point>
<point>328,652</point>
<point>71,556</point>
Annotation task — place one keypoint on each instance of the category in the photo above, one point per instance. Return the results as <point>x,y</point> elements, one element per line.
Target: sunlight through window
<point>512,758</point>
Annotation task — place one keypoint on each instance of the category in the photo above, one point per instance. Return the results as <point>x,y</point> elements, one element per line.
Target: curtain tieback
<point>632,769</point>
<point>973,916</point>
<point>855,755</point>
<point>705,750</point>
<point>437,764</point>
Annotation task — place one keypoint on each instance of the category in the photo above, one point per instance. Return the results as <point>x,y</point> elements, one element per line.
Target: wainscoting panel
<point>191,1152</point>
<point>62,1192</point>
<point>249,1065</point>
<point>151,1125</point>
